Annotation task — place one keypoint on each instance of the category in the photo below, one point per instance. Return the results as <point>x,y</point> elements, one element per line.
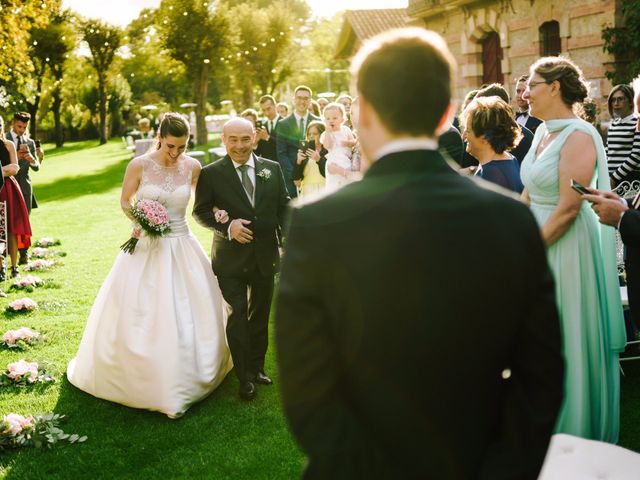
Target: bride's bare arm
<point>130,185</point>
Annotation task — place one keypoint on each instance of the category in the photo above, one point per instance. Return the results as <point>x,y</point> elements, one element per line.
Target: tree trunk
<point>102,92</point>
<point>32,108</point>
<point>201,93</point>
<point>247,92</point>
<point>56,107</point>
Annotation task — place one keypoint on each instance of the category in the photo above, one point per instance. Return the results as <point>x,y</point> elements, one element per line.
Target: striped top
<point>623,147</point>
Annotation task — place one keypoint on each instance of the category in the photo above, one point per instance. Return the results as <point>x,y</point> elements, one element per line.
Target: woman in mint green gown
<point>581,251</point>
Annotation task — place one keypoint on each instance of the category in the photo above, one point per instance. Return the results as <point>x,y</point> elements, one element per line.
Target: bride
<point>155,338</point>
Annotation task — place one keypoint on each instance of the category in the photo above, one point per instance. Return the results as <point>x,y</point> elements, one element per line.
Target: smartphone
<point>311,144</point>
<point>579,188</point>
<point>303,145</point>
<point>259,124</point>
<point>37,142</point>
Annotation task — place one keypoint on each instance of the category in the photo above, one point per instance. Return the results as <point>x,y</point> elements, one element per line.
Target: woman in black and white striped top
<point>623,142</point>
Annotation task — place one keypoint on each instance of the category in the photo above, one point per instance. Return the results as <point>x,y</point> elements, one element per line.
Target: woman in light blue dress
<point>581,252</point>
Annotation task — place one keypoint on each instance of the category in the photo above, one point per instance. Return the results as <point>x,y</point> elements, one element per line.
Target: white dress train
<point>155,338</point>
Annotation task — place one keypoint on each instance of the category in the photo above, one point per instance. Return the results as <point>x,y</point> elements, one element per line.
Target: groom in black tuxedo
<point>402,354</point>
<point>245,253</point>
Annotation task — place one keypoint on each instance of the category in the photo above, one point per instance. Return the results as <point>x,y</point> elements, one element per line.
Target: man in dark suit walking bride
<point>399,358</point>
<point>245,253</point>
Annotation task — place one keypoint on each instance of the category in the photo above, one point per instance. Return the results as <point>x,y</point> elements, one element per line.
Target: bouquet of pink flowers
<point>151,218</point>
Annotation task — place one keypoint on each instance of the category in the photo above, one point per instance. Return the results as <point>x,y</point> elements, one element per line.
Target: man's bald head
<point>238,135</point>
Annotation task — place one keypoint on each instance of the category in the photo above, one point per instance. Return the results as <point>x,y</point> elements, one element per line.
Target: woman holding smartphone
<point>581,252</point>
<point>308,172</point>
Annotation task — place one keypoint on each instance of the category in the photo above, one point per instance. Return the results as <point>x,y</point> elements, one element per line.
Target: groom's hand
<point>239,232</point>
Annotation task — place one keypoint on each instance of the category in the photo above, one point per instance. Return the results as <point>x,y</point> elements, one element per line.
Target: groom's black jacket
<point>219,185</point>
<point>394,338</point>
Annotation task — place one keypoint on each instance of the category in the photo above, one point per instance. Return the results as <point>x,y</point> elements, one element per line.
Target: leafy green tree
<point>48,50</point>
<point>263,52</point>
<point>17,20</point>
<point>149,68</point>
<point>623,42</point>
<point>103,40</point>
<point>196,34</point>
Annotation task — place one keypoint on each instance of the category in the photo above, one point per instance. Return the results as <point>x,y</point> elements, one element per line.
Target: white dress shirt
<point>405,145</point>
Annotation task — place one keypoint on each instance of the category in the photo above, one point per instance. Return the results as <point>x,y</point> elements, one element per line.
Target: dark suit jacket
<point>267,148</point>
<point>450,144</point>
<point>533,123</point>
<point>287,141</point>
<point>23,178</point>
<point>393,338</point>
<point>630,234</point>
<point>220,186</point>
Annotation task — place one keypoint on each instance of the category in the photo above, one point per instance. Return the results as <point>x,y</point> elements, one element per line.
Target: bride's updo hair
<point>174,124</point>
<point>573,87</point>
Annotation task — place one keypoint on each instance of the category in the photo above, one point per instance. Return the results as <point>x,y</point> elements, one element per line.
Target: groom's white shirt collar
<point>405,145</point>
<point>251,162</point>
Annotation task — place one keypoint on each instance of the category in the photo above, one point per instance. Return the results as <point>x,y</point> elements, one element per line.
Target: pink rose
<point>15,423</point>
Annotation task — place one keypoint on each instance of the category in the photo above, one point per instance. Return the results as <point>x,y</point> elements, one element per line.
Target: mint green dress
<point>583,262</point>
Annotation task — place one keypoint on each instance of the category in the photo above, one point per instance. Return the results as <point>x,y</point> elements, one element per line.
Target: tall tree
<point>48,50</point>
<point>103,40</point>
<point>194,33</point>
<point>263,54</point>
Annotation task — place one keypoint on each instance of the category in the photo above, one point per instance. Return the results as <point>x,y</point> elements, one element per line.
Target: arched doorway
<point>492,59</point>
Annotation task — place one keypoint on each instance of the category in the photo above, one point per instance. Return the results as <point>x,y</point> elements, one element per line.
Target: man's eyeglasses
<point>619,100</point>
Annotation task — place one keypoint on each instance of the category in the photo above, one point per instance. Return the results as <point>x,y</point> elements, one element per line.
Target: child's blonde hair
<point>335,106</point>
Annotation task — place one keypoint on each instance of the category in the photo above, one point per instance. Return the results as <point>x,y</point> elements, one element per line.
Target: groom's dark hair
<point>407,76</point>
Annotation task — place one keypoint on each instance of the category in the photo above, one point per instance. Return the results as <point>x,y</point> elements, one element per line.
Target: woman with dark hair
<point>491,132</point>
<point>308,172</point>
<point>155,338</point>
<point>580,251</point>
<point>623,143</point>
<point>18,225</point>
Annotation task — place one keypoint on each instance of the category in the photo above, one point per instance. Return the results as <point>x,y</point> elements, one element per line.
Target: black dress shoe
<point>14,272</point>
<point>247,391</point>
<point>263,379</point>
<point>2,274</point>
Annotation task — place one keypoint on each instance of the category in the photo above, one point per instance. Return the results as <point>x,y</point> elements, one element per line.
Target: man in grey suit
<point>30,155</point>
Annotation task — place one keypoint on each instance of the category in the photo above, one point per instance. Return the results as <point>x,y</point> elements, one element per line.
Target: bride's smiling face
<point>172,147</point>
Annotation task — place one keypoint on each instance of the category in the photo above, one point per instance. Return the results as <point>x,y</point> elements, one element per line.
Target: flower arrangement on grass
<point>22,373</point>
<point>151,218</point>
<point>22,305</point>
<point>39,264</point>
<point>39,252</point>
<point>21,338</point>
<point>42,430</point>
<point>48,242</point>
<point>28,283</point>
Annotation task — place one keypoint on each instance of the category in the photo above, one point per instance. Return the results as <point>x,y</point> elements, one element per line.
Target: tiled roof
<point>362,24</point>
<point>368,23</point>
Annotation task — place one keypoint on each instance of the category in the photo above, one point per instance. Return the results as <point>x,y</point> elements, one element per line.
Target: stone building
<point>497,40</point>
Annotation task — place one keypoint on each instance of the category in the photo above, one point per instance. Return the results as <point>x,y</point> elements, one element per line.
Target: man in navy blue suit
<point>291,131</point>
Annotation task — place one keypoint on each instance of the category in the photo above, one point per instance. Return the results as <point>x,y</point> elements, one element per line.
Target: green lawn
<point>222,437</point>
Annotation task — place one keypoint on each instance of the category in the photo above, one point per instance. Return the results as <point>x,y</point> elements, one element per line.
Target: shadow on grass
<point>72,187</point>
<point>72,147</point>
<point>219,437</point>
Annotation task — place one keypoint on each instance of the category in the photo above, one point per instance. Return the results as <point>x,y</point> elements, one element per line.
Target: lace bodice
<point>169,185</point>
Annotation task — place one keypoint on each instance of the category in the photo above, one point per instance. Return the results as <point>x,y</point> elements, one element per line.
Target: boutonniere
<point>264,174</point>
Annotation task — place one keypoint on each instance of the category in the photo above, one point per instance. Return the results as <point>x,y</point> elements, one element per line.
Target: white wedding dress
<point>155,338</point>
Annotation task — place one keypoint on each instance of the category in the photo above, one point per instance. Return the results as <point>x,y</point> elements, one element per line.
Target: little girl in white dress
<point>338,139</point>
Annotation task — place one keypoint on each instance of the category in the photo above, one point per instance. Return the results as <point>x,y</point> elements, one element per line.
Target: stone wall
<point>465,24</point>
